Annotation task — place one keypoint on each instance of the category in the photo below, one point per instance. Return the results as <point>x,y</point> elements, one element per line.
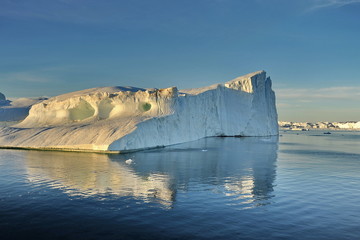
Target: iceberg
<point>16,110</point>
<point>120,119</point>
<point>348,125</point>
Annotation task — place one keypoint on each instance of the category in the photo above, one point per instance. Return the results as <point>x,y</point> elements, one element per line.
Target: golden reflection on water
<point>86,174</point>
<point>243,188</point>
<point>242,170</point>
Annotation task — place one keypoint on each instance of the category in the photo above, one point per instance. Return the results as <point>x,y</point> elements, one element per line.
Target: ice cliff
<point>128,118</point>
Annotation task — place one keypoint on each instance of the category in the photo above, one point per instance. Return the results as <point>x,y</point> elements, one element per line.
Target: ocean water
<point>300,185</point>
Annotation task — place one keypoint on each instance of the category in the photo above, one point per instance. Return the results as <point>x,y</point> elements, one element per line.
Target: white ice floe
<point>129,161</point>
<point>128,118</point>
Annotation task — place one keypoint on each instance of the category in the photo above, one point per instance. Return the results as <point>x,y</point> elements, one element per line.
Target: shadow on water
<point>242,169</point>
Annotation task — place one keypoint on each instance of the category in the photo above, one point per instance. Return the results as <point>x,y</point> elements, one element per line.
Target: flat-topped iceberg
<point>128,118</point>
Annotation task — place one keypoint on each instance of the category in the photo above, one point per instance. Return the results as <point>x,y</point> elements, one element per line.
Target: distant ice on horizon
<point>17,109</point>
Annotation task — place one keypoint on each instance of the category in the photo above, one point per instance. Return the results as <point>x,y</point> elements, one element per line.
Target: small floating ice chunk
<point>129,161</point>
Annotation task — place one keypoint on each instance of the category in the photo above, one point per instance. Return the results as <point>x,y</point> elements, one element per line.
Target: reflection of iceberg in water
<point>241,189</point>
<point>256,187</point>
<point>243,169</point>
<point>89,175</point>
<point>240,171</point>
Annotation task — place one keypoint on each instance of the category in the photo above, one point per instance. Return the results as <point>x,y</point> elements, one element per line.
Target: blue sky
<point>310,48</point>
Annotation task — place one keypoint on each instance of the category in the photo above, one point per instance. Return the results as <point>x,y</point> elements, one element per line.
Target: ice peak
<point>248,83</point>
<point>258,74</point>
<point>253,74</point>
<point>245,83</point>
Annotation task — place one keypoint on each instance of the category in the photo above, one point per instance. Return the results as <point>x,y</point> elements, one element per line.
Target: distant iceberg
<point>128,118</point>
<point>348,125</point>
<point>16,110</point>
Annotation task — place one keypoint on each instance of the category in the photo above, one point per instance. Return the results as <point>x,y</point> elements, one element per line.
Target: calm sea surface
<point>301,185</point>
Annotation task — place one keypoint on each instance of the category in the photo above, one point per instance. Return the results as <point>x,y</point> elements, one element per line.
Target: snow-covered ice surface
<point>128,118</point>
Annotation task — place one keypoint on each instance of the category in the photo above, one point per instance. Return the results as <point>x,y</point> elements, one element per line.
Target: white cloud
<point>319,4</point>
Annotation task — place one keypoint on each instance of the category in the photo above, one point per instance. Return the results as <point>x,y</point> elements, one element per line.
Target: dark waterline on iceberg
<point>292,187</point>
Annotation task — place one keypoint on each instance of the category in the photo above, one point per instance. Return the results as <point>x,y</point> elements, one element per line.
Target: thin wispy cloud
<point>311,95</point>
<point>320,4</point>
<point>322,104</point>
<point>19,77</point>
<point>38,75</point>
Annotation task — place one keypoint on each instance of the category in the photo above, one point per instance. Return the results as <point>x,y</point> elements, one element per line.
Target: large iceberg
<point>128,118</point>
